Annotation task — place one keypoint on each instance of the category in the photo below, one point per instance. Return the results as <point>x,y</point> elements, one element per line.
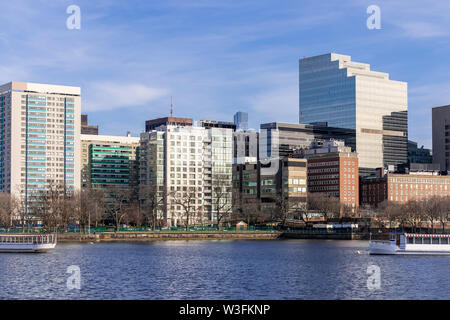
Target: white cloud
<point>109,96</point>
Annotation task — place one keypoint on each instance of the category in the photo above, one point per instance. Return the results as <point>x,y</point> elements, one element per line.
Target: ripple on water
<point>291,269</point>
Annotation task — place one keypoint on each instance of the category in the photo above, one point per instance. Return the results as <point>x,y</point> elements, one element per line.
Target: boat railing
<point>28,239</point>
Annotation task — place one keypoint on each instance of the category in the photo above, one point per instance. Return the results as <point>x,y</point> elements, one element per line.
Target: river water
<point>285,269</point>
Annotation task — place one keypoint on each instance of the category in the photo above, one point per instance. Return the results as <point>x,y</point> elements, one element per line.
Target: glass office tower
<point>347,94</point>
<point>241,120</point>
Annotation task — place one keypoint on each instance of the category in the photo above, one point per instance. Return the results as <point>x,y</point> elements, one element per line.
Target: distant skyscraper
<point>241,120</point>
<point>348,94</point>
<point>85,128</point>
<point>441,136</point>
<point>40,138</point>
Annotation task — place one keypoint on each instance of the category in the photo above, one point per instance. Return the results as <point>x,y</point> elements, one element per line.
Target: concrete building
<point>241,120</point>
<point>85,127</point>
<point>40,138</point>
<point>441,136</point>
<point>403,187</point>
<point>347,94</point>
<point>180,160</point>
<point>286,138</point>
<point>333,169</point>
<point>109,161</point>
<point>167,121</point>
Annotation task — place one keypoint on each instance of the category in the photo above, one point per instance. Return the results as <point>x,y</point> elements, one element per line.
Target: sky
<point>219,57</point>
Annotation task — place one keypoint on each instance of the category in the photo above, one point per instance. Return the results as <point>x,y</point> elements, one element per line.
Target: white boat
<point>412,244</point>
<point>27,243</point>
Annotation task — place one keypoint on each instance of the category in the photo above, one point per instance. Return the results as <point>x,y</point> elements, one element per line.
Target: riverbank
<point>172,235</point>
<point>211,235</point>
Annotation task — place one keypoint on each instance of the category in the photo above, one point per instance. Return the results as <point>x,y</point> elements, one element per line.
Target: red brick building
<point>333,169</point>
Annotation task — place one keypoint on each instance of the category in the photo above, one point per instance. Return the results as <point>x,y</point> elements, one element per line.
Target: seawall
<point>155,236</point>
<point>214,235</point>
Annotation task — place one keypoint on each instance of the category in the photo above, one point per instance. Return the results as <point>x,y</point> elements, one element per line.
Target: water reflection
<point>290,269</point>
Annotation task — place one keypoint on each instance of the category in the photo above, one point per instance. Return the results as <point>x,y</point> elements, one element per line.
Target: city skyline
<point>246,60</point>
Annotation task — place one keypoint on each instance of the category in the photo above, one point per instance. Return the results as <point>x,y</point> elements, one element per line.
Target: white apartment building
<point>39,137</point>
<point>188,160</point>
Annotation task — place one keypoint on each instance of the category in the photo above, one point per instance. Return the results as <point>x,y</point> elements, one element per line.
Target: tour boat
<point>412,244</point>
<point>27,242</point>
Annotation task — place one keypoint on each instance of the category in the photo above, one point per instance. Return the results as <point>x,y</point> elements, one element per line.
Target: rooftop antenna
<point>171,106</point>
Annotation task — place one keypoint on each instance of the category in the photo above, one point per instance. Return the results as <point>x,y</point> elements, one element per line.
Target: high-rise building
<point>109,161</point>
<point>40,138</point>
<point>441,136</point>
<point>241,120</point>
<point>181,161</point>
<point>85,127</point>
<point>347,94</point>
<point>333,169</point>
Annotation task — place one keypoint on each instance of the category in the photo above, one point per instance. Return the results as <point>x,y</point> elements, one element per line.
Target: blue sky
<point>219,57</point>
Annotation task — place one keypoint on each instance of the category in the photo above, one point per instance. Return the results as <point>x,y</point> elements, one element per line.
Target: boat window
<point>435,241</point>
<point>410,240</point>
<point>444,240</point>
<point>426,240</point>
<point>417,240</point>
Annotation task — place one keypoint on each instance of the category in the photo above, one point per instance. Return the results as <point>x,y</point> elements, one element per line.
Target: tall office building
<point>40,138</point>
<point>347,94</point>
<point>241,120</point>
<point>181,160</point>
<point>441,136</point>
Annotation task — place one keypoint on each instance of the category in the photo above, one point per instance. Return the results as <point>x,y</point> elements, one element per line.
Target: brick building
<point>333,169</point>
<point>404,187</point>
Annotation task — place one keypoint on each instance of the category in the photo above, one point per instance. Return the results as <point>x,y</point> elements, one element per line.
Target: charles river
<point>283,269</point>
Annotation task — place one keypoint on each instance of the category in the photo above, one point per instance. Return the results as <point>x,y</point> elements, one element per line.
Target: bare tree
<point>116,201</point>
<point>431,208</point>
<point>152,203</point>
<point>186,199</point>
<point>8,208</point>
<point>413,214</point>
<point>221,199</point>
<point>444,213</point>
<point>388,210</point>
<point>327,204</point>
<point>134,215</point>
